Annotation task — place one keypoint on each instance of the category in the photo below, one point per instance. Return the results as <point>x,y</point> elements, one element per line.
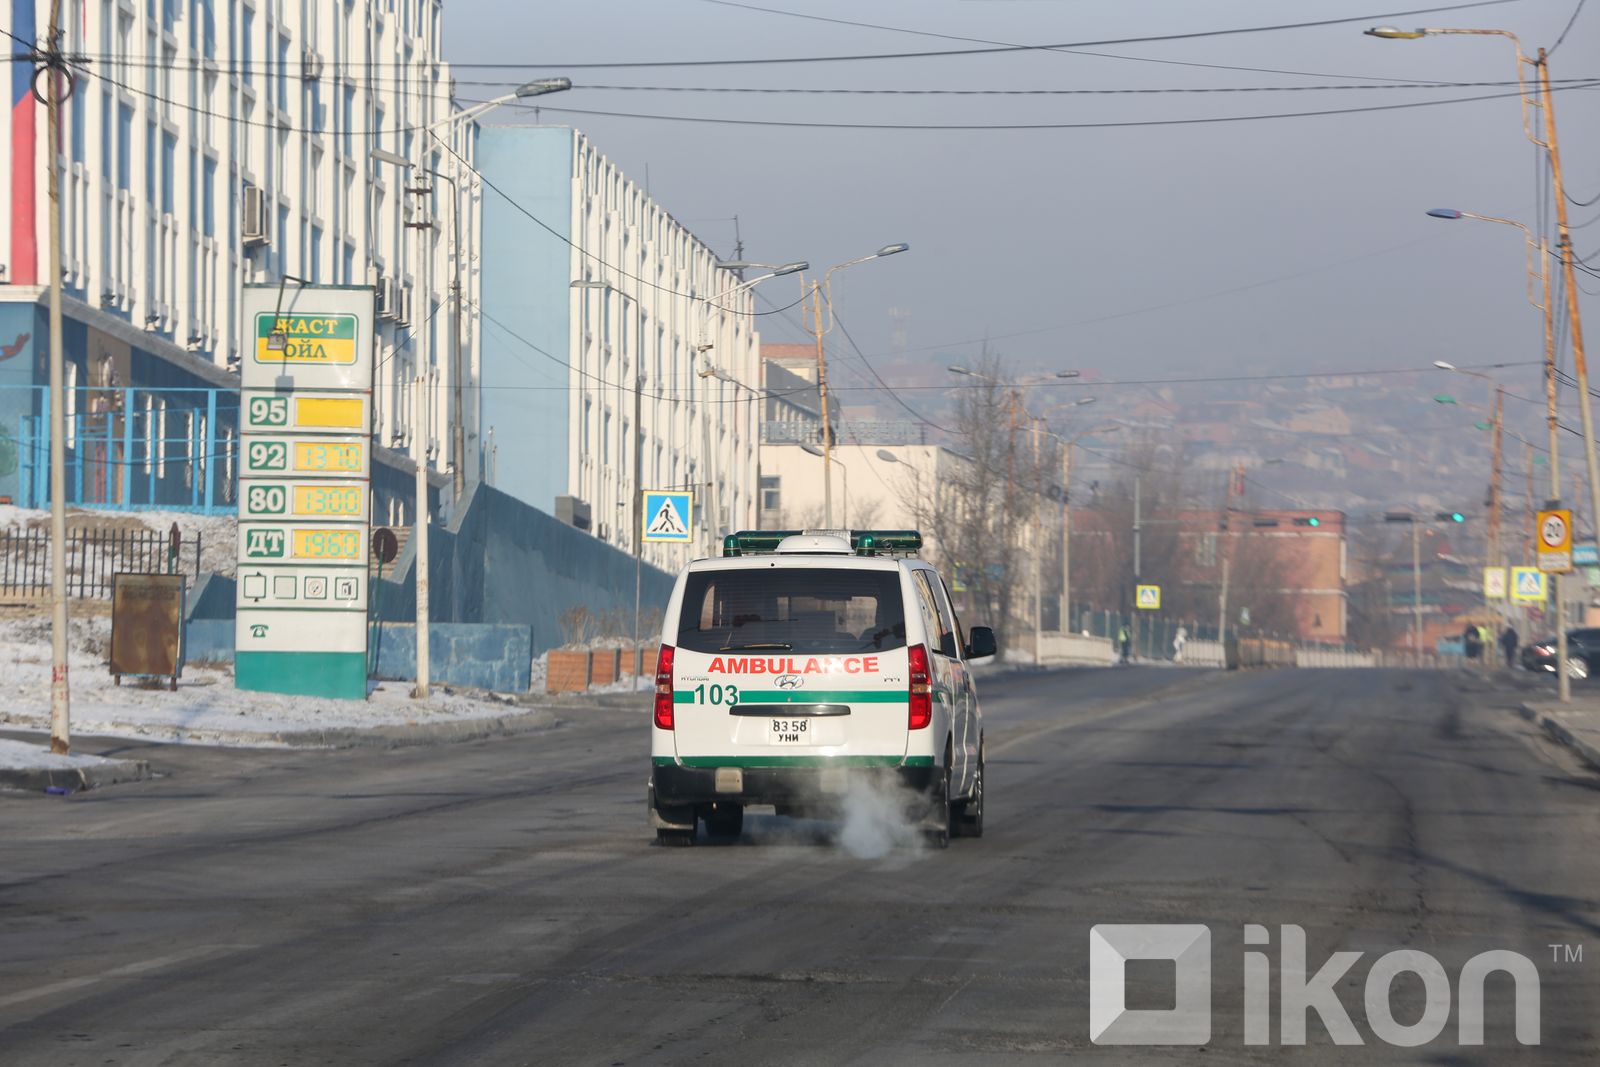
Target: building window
<point>124,147</point>
<point>169,172</point>
<point>770,497</point>
<point>208,199</point>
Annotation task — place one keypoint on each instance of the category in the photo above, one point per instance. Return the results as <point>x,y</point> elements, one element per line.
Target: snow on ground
<point>206,709</point>
<point>27,756</point>
<point>218,533</point>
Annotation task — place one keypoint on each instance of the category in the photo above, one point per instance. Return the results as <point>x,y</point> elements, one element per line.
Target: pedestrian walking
<point>1472,643</point>
<point>1179,639</point>
<point>1508,645</point>
<point>1125,643</point>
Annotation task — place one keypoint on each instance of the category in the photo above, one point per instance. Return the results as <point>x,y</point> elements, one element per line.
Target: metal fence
<point>93,556</point>
<point>126,448</point>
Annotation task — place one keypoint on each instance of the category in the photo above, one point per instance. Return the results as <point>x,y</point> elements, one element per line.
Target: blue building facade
<point>526,308</point>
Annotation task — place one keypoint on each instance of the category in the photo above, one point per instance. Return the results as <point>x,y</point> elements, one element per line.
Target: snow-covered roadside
<point>218,533</point>
<point>25,755</point>
<point>206,709</point>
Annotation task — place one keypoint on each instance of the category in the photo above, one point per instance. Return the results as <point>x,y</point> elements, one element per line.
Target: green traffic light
<point>1456,516</point>
<point>1313,521</point>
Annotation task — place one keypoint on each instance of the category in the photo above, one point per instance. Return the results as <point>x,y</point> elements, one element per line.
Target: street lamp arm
<point>1394,34</point>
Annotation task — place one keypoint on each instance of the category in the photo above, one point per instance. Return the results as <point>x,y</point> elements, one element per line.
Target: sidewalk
<point>1576,725</point>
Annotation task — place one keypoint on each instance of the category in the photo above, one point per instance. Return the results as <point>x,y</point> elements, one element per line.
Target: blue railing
<point>172,449</point>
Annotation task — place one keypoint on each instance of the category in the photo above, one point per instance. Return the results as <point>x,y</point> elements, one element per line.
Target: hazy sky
<point>1042,232</point>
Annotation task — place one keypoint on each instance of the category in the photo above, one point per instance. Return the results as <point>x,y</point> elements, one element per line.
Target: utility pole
<point>822,395</point>
<point>1580,366</point>
<point>1066,536</point>
<point>638,517</point>
<point>1138,547</point>
<point>1038,550</point>
<point>420,536</point>
<point>1416,590</point>
<point>1494,484</point>
<point>458,438</point>
<point>60,690</point>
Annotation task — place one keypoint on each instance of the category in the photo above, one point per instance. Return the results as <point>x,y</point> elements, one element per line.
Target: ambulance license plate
<point>789,732</point>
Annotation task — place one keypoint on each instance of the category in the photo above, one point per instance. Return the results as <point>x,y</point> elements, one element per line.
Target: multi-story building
<point>208,144</point>
<point>618,355</point>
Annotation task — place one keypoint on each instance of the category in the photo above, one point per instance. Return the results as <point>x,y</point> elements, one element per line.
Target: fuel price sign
<point>304,490</point>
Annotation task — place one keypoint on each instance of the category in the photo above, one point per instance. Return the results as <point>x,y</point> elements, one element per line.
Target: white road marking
<point>125,971</point>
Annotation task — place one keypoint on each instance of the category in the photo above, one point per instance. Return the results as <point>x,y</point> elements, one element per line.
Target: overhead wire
<point>1018,126</point>
<point>1077,51</point>
<point>998,49</point>
<point>1568,28</point>
<point>710,301</point>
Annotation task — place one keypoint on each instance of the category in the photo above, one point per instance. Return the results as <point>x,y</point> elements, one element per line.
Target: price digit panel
<point>328,500</point>
<point>312,457</point>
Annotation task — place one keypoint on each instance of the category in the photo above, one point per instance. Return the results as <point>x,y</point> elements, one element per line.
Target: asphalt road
<point>502,902</point>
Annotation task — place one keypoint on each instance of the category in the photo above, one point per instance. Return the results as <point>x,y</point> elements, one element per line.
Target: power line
<point>483,179</point>
<point>996,49</point>
<point>842,91</point>
<point>1063,50</point>
<point>1079,383</point>
<point>1568,29</point>
<point>1007,126</point>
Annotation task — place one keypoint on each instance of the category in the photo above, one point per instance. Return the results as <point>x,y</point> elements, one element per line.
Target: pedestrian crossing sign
<point>1148,597</point>
<point>666,516</point>
<point>1528,585</point>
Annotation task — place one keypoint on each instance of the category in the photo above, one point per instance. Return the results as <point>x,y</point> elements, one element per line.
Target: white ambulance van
<point>798,662</point>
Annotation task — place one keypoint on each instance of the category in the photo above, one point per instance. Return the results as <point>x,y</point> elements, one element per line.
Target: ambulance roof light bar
<point>862,542</point>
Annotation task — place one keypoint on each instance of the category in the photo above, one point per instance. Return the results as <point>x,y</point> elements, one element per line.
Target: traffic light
<point>1450,516</point>
<point>1310,520</point>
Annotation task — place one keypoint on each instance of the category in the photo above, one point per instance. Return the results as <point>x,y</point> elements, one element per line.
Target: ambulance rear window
<point>792,610</point>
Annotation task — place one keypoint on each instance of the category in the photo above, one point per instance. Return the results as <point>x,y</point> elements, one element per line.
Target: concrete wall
<point>1059,649</point>
<point>483,656</point>
<point>501,561</point>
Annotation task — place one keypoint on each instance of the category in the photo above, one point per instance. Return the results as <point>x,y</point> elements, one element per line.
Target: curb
<point>1559,731</point>
<point>77,779</point>
<point>412,735</point>
<point>393,735</point>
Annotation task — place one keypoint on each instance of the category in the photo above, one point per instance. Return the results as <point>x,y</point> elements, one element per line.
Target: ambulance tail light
<point>921,687</point>
<point>664,688</point>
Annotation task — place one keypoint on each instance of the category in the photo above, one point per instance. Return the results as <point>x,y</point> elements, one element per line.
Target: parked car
<point>1583,653</point>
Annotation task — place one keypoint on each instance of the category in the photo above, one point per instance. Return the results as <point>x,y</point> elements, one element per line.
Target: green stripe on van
<point>795,761</point>
<point>806,696</point>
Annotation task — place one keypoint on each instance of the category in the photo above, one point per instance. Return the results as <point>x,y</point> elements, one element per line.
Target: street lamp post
<point>712,506</point>
<point>822,290</point>
<point>1547,308</point>
<point>844,472</point>
<point>1551,145</point>
<point>1497,411</point>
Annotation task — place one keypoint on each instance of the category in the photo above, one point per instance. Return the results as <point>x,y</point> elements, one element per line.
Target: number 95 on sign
<point>345,501</point>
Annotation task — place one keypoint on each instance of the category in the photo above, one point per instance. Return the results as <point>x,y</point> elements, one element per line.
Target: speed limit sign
<point>1554,529</point>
